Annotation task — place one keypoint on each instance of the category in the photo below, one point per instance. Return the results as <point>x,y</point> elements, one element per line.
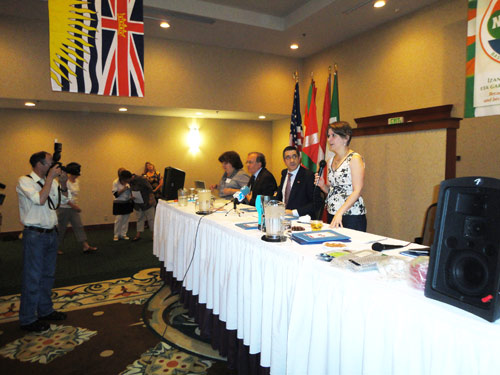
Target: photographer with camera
<point>39,195</point>
<point>70,212</point>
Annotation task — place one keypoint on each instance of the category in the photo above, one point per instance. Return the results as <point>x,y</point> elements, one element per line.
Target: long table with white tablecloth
<point>306,317</point>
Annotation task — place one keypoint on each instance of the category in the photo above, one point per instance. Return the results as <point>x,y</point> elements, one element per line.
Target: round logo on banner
<point>489,32</point>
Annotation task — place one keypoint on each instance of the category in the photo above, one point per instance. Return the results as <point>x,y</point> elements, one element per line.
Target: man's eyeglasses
<point>291,157</point>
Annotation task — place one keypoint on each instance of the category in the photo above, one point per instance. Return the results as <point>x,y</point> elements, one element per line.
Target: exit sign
<point>395,120</point>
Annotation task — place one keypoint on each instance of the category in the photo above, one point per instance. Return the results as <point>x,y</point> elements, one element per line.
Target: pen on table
<point>420,250</point>
<point>354,262</point>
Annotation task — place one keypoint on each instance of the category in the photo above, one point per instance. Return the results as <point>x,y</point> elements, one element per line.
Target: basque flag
<point>97,46</point>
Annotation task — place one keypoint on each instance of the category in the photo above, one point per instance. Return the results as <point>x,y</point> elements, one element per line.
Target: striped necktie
<point>288,188</point>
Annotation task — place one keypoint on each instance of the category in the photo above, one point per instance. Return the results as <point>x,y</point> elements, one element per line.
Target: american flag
<point>296,135</point>
<point>103,50</point>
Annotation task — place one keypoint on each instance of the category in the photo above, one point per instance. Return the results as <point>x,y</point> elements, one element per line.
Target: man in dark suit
<point>296,188</point>
<point>262,181</point>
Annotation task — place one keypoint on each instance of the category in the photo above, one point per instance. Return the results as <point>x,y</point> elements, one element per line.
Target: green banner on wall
<point>482,88</point>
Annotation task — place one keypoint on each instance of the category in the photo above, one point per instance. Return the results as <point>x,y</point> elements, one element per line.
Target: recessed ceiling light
<point>262,117</point>
<point>379,3</point>
<point>294,46</point>
<point>30,104</point>
<point>123,109</point>
<point>164,25</point>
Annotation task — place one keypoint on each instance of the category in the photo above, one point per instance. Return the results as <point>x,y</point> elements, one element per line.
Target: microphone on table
<point>322,165</point>
<point>240,195</point>
<point>377,246</point>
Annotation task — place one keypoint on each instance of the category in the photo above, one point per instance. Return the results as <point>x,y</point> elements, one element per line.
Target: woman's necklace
<point>338,162</point>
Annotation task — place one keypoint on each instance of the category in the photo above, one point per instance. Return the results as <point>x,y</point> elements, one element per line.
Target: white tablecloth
<point>304,316</point>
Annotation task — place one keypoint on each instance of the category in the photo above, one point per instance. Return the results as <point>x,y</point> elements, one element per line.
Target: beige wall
<point>280,131</point>
<point>177,74</point>
<point>400,179</point>
<point>103,143</point>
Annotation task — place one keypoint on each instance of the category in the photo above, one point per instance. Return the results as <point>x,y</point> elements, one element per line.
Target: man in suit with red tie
<point>296,188</point>
<point>262,181</point>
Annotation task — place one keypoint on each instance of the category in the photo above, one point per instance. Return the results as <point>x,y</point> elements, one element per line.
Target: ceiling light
<point>294,46</point>
<point>123,109</point>
<point>164,25</point>
<point>379,3</point>
<point>30,104</point>
<point>262,117</point>
<point>199,113</point>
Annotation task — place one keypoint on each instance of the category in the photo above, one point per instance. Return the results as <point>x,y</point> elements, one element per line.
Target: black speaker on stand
<point>464,265</point>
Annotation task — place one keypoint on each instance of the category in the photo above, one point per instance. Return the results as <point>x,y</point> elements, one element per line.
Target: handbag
<point>123,207</point>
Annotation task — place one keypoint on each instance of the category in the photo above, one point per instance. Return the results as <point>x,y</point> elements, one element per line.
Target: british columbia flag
<point>98,48</point>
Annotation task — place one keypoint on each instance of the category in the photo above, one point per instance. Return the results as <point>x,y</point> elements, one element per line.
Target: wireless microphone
<point>322,165</point>
<point>377,246</point>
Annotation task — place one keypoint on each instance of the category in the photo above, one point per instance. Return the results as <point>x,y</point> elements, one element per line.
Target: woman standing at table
<point>154,178</point>
<point>346,173</point>
<point>234,178</point>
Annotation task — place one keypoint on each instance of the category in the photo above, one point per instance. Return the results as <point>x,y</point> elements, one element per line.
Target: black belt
<point>40,230</point>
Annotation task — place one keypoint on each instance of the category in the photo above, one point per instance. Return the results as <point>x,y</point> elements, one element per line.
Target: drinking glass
<point>316,224</point>
<point>182,197</point>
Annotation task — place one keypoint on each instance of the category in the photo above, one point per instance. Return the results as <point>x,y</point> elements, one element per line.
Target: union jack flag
<point>296,135</point>
<point>98,48</point>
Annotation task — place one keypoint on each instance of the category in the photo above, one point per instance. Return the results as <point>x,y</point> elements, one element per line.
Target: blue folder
<point>318,237</point>
<point>247,226</point>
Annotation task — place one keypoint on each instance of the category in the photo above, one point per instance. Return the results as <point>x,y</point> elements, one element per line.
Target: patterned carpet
<point>105,333</point>
<point>171,322</point>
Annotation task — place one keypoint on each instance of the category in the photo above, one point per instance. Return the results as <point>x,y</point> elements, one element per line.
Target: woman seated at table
<point>346,173</point>
<point>234,178</point>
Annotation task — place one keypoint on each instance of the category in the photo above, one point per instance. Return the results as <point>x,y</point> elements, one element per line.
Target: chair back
<point>428,231</point>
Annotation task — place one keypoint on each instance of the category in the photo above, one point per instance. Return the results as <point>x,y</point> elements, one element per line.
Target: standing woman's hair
<point>146,167</point>
<point>341,128</point>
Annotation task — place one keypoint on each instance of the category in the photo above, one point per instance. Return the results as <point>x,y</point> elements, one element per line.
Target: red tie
<point>288,188</point>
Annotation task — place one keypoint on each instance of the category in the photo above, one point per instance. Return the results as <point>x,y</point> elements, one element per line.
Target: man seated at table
<point>296,188</point>
<point>262,181</point>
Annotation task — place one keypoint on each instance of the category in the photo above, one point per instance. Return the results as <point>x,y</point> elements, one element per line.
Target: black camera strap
<point>52,206</point>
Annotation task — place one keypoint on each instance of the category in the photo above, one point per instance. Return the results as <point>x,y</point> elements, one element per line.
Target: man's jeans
<point>39,266</point>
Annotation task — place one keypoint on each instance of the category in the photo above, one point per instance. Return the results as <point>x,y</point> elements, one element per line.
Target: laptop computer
<point>199,184</point>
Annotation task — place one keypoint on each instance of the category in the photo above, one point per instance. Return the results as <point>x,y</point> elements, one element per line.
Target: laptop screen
<point>199,184</point>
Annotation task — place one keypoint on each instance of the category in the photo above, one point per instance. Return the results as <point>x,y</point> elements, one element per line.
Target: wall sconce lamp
<point>194,139</point>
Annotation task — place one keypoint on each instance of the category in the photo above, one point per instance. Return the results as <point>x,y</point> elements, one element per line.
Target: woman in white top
<point>346,173</point>
<point>122,194</point>
<point>70,212</point>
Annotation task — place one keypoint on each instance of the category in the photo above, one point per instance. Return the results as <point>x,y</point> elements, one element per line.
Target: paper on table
<point>137,197</point>
<point>360,237</point>
<point>305,219</point>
